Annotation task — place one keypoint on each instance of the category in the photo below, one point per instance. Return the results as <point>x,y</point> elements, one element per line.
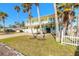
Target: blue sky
<point>45,9</point>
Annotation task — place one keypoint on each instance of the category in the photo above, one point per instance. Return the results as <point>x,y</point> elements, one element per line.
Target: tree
<point>57,26</point>
<point>27,8</point>
<point>77,7</point>
<point>66,8</point>
<point>1,26</point>
<point>3,16</point>
<point>17,8</point>
<point>23,24</point>
<point>39,20</point>
<point>62,10</point>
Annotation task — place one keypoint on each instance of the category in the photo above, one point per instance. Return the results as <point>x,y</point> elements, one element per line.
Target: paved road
<point>11,35</point>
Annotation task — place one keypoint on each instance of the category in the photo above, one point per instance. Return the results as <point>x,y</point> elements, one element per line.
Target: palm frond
<point>3,15</point>
<point>17,8</point>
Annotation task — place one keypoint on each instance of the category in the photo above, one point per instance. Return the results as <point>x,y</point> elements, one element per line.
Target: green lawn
<point>35,47</point>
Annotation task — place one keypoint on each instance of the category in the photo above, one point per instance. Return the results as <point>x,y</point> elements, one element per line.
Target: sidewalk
<point>12,35</point>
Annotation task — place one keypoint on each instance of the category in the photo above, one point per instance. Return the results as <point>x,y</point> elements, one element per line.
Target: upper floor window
<point>51,20</point>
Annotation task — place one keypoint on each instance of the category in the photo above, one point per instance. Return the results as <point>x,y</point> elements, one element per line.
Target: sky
<point>45,9</point>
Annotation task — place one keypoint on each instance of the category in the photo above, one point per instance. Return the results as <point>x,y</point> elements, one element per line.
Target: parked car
<point>9,30</point>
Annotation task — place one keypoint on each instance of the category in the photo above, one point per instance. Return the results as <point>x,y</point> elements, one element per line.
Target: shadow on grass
<point>37,38</point>
<point>41,39</point>
<point>77,51</point>
<point>54,36</point>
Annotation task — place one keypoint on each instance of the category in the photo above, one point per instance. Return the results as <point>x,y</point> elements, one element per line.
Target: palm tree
<point>1,26</point>
<point>3,15</point>
<point>62,7</point>
<point>27,8</point>
<point>57,26</point>
<point>17,8</point>
<point>39,20</point>
<point>23,24</point>
<point>62,11</point>
<point>66,8</point>
<point>68,12</point>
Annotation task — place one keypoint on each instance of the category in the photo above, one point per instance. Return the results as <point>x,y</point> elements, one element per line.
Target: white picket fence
<point>71,40</point>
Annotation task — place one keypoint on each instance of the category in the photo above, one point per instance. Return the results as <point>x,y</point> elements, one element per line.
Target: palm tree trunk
<point>78,25</point>
<point>18,19</point>
<point>3,25</point>
<point>57,27</point>
<point>31,24</point>
<point>70,20</point>
<point>39,20</point>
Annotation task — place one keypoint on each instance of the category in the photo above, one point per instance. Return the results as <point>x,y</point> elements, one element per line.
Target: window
<point>51,20</point>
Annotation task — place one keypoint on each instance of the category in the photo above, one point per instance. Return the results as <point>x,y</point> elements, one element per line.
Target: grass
<point>35,47</point>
